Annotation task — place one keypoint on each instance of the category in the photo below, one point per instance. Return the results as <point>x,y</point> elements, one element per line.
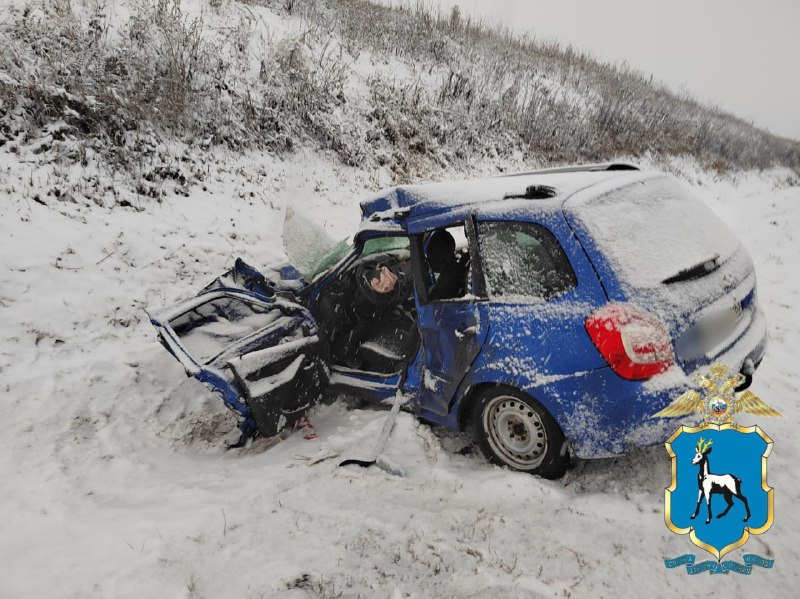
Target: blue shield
<point>723,467</point>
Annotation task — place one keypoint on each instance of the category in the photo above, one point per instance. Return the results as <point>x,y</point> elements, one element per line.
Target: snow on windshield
<point>655,229</point>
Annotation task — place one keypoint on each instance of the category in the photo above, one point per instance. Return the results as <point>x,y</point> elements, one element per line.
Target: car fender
<point>600,413</point>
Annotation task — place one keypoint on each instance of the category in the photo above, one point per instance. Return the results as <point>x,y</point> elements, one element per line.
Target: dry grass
<point>500,93</point>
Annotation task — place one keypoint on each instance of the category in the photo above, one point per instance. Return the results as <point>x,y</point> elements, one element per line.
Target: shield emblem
<point>719,494</point>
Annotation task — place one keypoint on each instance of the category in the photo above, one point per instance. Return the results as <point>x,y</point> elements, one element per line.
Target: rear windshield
<point>656,230</point>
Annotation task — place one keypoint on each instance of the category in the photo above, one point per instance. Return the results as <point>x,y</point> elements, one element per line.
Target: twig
<point>106,256</point>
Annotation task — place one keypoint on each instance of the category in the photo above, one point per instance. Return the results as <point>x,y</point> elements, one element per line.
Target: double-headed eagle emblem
<point>719,401</point>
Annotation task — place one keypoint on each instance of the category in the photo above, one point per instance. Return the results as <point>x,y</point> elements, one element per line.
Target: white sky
<point>742,55</point>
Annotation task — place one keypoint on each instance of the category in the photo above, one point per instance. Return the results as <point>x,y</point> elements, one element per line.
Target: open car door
<point>247,338</point>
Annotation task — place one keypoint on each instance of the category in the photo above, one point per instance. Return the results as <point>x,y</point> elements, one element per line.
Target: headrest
<point>441,252</point>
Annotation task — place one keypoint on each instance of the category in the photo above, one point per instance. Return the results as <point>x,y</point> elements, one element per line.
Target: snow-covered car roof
<point>550,189</point>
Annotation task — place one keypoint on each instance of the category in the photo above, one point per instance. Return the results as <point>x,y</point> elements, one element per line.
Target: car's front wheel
<point>514,430</point>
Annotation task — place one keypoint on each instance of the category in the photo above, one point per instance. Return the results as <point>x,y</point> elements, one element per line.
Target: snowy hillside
<point>403,94</point>
<point>116,483</point>
<point>115,477</point>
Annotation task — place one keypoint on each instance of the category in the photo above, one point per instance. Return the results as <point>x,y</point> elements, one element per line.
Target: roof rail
<point>605,166</point>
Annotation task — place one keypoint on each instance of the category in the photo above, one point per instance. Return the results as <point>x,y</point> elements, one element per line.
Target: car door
<point>541,289</point>
<point>452,329</point>
<point>247,338</point>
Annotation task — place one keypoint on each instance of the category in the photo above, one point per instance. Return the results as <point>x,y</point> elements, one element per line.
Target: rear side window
<point>523,260</point>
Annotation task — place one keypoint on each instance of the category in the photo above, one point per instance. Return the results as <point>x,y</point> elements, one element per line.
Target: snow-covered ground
<point>115,482</point>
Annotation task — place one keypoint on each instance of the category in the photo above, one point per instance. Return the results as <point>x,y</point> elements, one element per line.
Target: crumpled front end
<point>247,338</point>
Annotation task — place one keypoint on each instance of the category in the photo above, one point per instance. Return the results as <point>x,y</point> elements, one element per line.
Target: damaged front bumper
<point>247,339</point>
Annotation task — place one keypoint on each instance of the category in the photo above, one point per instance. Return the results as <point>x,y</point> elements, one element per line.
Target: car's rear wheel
<point>515,430</point>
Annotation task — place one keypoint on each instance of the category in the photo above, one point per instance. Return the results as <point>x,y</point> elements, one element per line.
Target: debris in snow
<point>389,466</point>
<point>322,455</point>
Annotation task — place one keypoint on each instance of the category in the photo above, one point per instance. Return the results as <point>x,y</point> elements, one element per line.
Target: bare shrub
<point>551,103</point>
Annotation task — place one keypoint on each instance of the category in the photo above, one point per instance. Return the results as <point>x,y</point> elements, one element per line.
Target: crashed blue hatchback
<point>551,313</point>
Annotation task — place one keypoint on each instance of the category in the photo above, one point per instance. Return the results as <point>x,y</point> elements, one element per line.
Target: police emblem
<point>719,494</point>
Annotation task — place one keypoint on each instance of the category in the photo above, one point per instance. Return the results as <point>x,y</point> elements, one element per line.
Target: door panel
<point>452,334</point>
<point>453,330</point>
<point>280,383</point>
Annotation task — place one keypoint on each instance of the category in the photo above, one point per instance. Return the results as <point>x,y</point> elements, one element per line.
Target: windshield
<point>656,231</point>
<point>379,245</point>
<point>376,245</point>
<point>339,251</point>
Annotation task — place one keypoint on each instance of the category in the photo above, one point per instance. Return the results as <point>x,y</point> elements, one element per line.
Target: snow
<point>381,350</point>
<point>270,383</point>
<point>117,479</point>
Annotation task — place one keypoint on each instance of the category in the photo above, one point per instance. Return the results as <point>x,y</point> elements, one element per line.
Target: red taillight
<point>635,344</point>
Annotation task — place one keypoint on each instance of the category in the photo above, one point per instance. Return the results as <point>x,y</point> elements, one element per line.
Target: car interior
<point>361,328</point>
<point>366,330</point>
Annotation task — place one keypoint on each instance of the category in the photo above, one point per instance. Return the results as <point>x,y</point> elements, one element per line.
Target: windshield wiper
<point>695,272</point>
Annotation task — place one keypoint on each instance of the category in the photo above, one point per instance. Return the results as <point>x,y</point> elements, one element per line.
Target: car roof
<point>544,190</point>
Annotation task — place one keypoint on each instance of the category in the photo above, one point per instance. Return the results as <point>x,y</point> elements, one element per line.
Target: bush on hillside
<point>442,92</point>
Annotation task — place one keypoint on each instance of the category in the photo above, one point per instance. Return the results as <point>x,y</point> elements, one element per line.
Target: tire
<point>514,430</point>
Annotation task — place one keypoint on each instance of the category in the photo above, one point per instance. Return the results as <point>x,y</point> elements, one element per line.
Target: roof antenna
<point>533,192</point>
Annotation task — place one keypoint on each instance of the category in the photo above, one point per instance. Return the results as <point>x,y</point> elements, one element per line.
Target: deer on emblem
<point>727,485</point>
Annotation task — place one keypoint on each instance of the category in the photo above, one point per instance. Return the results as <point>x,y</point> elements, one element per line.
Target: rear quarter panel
<point>542,348</point>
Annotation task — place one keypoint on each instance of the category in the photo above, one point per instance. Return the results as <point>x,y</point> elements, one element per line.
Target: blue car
<point>551,313</point>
